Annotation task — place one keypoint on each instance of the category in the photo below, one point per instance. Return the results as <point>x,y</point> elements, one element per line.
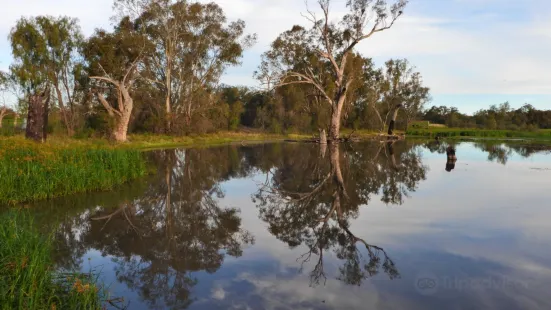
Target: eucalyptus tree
<point>113,61</point>
<point>193,45</point>
<point>319,56</point>
<point>45,50</point>
<point>402,89</point>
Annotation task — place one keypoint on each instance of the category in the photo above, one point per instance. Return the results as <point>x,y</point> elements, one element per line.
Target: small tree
<point>320,56</point>
<point>45,52</point>
<point>403,90</point>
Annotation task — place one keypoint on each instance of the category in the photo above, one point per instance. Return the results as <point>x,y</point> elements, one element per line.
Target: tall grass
<point>30,171</point>
<point>458,132</point>
<point>28,279</point>
<point>8,129</point>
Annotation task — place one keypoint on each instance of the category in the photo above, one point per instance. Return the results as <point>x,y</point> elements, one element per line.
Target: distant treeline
<point>496,117</point>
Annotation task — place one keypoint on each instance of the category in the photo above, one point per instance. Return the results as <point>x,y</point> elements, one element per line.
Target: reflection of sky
<point>481,232</point>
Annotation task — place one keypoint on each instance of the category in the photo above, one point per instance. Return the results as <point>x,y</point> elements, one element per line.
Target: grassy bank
<point>27,275</point>
<point>479,133</point>
<point>145,142</point>
<point>62,166</point>
<point>30,171</point>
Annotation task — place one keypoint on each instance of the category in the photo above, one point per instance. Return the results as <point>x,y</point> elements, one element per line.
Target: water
<point>299,226</point>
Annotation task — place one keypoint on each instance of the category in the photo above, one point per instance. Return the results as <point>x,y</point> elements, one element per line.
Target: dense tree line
<point>496,117</point>
<point>159,69</point>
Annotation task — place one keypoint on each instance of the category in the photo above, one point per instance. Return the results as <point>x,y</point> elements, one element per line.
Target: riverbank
<point>28,279</point>
<point>543,134</point>
<point>31,171</point>
<point>63,166</point>
<point>149,142</point>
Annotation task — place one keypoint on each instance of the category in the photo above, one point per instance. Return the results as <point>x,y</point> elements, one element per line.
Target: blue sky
<point>472,53</point>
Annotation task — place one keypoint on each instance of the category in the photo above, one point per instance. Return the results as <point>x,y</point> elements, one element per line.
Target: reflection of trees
<point>501,152</point>
<point>498,151</point>
<point>173,228</point>
<point>309,200</point>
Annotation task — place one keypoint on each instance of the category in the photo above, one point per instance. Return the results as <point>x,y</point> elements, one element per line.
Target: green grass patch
<point>28,279</point>
<point>31,171</point>
<point>8,128</point>
<point>146,142</point>
<point>458,132</point>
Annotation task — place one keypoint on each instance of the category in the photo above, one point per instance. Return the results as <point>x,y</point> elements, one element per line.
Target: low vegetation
<point>459,132</point>
<point>145,142</point>
<point>30,171</point>
<point>501,117</point>
<point>28,279</point>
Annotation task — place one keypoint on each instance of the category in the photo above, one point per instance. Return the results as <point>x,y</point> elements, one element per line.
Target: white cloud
<point>218,293</point>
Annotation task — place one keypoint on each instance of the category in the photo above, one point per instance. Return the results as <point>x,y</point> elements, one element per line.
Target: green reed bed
<point>482,133</point>
<point>31,171</point>
<point>28,279</point>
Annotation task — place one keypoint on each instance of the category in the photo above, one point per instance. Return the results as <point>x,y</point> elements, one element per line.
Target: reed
<point>31,171</point>
<point>28,279</point>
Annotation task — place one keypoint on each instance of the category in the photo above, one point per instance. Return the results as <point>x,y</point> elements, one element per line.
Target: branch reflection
<point>309,201</point>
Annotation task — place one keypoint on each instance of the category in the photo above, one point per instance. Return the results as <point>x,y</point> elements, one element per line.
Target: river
<point>302,226</point>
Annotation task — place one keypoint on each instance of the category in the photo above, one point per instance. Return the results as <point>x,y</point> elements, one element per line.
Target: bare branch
<point>107,106</point>
<point>106,79</point>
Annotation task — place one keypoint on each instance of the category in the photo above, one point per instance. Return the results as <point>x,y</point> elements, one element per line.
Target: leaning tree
<point>319,56</point>
<point>113,60</point>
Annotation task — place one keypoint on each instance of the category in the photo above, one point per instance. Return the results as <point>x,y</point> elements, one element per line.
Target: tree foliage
<point>323,56</point>
<point>159,71</point>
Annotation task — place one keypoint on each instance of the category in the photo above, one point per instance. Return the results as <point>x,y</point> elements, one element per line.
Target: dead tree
<point>37,118</point>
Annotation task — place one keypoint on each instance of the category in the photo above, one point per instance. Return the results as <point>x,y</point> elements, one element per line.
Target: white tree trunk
<point>121,128</point>
<point>323,137</point>
<point>3,112</point>
<point>64,112</point>
<point>393,120</point>
<point>168,105</point>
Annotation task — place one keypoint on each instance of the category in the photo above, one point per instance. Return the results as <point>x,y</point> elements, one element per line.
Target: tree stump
<point>452,159</point>
<point>323,137</point>
<point>37,118</point>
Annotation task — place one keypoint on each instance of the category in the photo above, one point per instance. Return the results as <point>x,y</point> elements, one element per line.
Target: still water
<point>300,226</point>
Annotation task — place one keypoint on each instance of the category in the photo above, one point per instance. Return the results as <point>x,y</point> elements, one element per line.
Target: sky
<point>471,53</point>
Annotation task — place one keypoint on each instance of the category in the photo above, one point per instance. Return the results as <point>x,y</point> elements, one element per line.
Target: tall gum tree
<point>302,56</point>
<point>113,60</point>
<point>193,44</point>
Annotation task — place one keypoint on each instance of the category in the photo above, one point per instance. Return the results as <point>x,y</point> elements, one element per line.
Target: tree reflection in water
<point>163,231</point>
<point>309,200</point>
<point>498,151</point>
<point>173,228</point>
